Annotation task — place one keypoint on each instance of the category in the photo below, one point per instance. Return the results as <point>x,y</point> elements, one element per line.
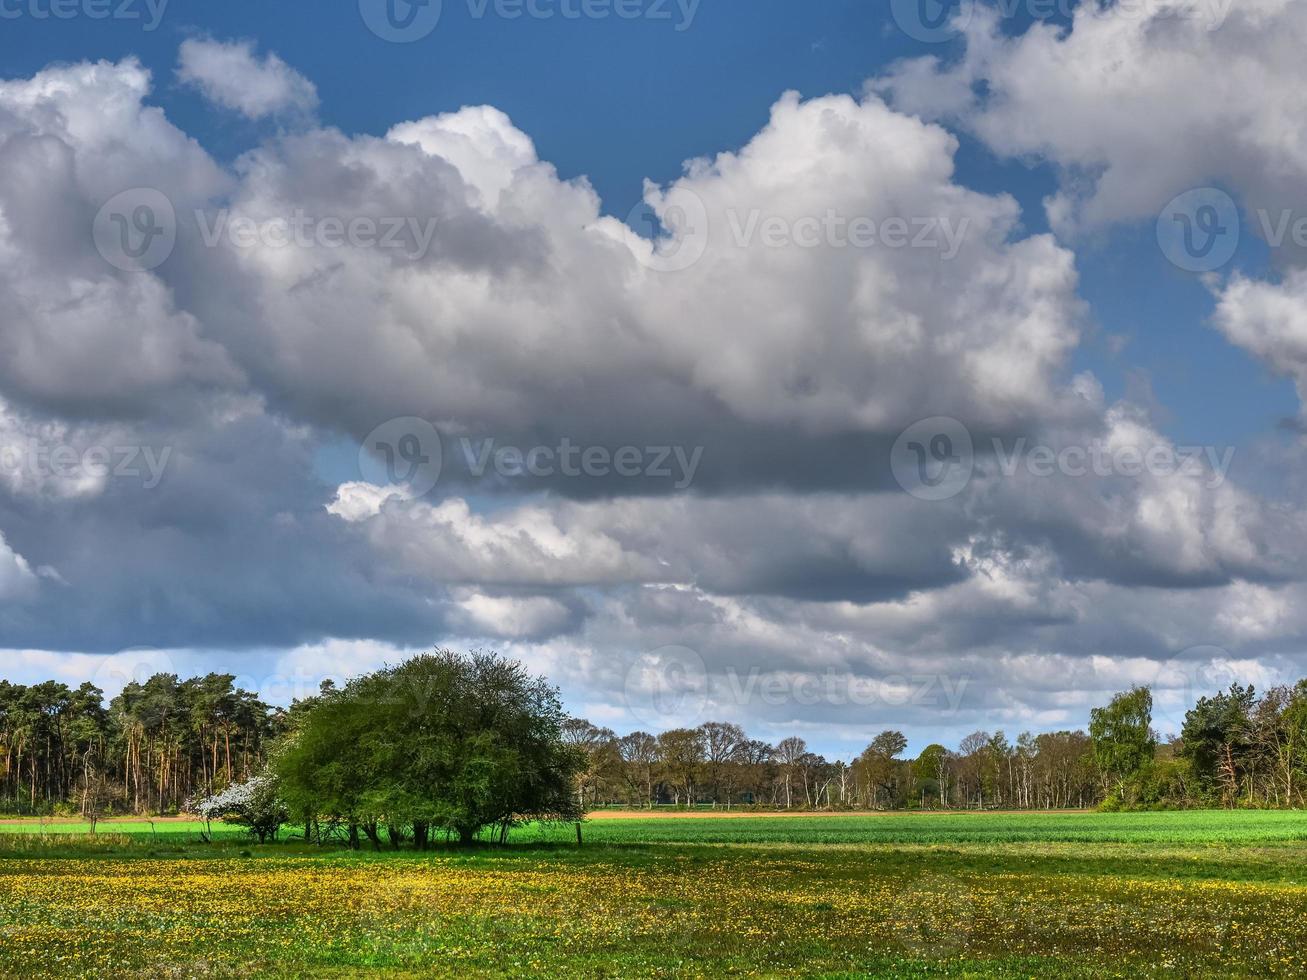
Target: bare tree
<point>721,746</point>
<point>788,752</point>
<point>680,758</point>
<point>639,754</point>
<point>598,745</point>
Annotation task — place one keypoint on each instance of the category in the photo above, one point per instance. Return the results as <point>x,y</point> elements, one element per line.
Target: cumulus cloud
<point>962,662</point>
<point>1269,319</point>
<point>511,617</point>
<point>231,75</point>
<point>527,546</point>
<point>80,336</point>
<point>1114,102</point>
<point>324,283</point>
<point>227,544</point>
<point>828,545</point>
<point>527,285</point>
<point>1128,506</point>
<point>27,450</point>
<point>1145,511</point>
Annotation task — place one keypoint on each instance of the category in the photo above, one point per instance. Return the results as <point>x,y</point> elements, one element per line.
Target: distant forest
<point>165,741</point>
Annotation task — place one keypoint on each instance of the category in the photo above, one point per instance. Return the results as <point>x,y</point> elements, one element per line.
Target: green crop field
<point>1009,895</point>
<point>1199,827</point>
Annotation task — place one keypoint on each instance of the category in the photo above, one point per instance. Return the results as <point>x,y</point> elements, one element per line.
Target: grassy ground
<point>1089,895</point>
<point>1199,827</point>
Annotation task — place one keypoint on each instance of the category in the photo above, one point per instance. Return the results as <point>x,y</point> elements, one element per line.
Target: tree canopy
<point>444,741</point>
<point>1123,736</point>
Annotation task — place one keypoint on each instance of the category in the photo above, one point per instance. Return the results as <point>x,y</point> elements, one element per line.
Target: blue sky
<point>534,320</point>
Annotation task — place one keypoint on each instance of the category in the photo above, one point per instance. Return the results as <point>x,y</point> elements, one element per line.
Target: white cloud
<point>79,335</point>
<point>1138,510</point>
<point>1133,109</point>
<point>527,545</point>
<point>1181,521</point>
<point>510,617</point>
<point>527,286</point>
<point>17,580</point>
<point>1270,321</point>
<point>298,673</point>
<point>231,75</point>
<point>27,467</point>
<point>357,501</point>
<point>480,142</point>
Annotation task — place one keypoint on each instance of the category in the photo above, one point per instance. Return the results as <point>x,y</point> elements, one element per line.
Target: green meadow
<point>903,895</point>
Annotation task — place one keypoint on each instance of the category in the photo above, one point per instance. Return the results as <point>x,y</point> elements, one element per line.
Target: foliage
<point>157,743</point>
<point>443,741</point>
<point>1217,737</point>
<point>1122,735</point>
<point>1160,784</point>
<point>255,805</point>
<point>164,740</point>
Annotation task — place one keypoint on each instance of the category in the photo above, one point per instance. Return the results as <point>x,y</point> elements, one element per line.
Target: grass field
<point>1079,895</point>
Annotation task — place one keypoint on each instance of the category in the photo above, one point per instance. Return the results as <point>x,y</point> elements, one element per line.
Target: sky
<point>825,367</point>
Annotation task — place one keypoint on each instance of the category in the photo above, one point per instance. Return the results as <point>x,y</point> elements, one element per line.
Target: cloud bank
<point>237,400</point>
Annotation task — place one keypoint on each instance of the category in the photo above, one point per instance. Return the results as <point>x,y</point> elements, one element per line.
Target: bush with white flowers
<point>253,805</point>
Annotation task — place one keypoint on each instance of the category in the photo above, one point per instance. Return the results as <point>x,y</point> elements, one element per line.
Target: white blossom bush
<point>253,804</point>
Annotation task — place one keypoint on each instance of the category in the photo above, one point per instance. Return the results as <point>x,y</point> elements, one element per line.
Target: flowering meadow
<point>1186,904</point>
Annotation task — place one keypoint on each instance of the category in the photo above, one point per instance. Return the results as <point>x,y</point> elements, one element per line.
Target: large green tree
<point>1122,735</point>
<point>1218,740</point>
<point>445,741</point>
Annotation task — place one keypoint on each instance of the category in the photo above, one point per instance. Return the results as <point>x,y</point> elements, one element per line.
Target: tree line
<point>718,764</point>
<point>1234,749</point>
<point>148,750</point>
<point>390,751</point>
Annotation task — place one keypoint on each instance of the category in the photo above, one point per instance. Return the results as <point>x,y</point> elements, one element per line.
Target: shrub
<point>253,805</point>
